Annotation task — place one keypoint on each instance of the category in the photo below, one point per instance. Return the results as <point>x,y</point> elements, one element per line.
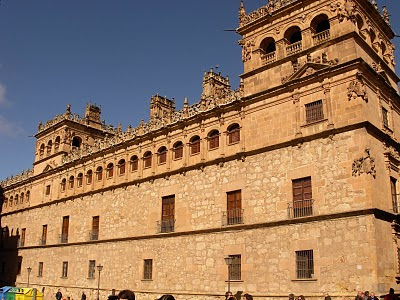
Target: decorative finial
<point>242,14</point>
<point>68,110</point>
<point>385,14</point>
<point>374,4</point>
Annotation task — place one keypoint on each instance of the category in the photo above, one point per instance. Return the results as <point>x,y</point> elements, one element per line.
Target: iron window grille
<point>314,112</point>
<point>92,268</point>
<point>64,269</point>
<point>235,269</point>
<point>385,116</point>
<point>148,269</point>
<point>305,264</point>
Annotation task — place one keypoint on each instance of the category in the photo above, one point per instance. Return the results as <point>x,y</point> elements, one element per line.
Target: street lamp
<point>229,262</point>
<point>99,268</point>
<point>29,269</point>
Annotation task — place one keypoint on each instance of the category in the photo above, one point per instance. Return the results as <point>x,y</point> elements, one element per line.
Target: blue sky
<point>113,53</point>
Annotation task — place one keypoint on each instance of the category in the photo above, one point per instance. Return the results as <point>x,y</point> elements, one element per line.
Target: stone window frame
<point>63,185</point>
<point>303,111</point>
<point>79,180</point>
<point>308,271</point>
<point>110,171</point>
<point>89,177</point>
<point>195,145</point>
<point>47,190</point>
<point>64,270</point>
<point>233,134</point>
<point>71,182</point>
<point>121,167</point>
<point>92,269</point>
<point>148,269</point>
<point>162,155</point>
<point>213,139</point>
<point>177,150</point>
<point>40,269</point>
<point>147,160</point>
<point>134,163</point>
<point>99,173</point>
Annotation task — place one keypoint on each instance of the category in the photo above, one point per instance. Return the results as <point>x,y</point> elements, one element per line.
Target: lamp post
<point>29,269</point>
<point>229,262</point>
<point>99,268</point>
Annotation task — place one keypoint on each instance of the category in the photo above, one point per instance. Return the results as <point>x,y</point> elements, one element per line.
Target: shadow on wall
<point>10,262</point>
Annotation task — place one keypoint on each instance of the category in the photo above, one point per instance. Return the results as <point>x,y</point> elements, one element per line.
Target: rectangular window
<point>385,116</point>
<point>64,269</point>
<point>393,187</point>
<point>305,264</point>
<point>43,240</point>
<point>22,239</point>
<point>314,112</point>
<point>168,214</point>
<point>92,268</point>
<point>40,269</point>
<point>148,269</point>
<point>213,142</point>
<point>134,165</point>
<point>234,207</point>
<point>235,269</point>
<point>162,158</point>
<point>147,161</point>
<point>47,190</point>
<point>234,135</point>
<point>65,229</point>
<point>302,197</point>
<point>94,234</point>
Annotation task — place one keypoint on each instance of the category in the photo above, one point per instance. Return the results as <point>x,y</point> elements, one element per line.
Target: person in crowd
<point>167,297</point>
<point>229,296</point>
<point>359,296</point>
<point>327,297</point>
<point>291,296</point>
<point>366,295</point>
<point>301,297</point>
<point>126,295</point>
<point>372,296</point>
<point>59,295</point>
<point>248,296</point>
<point>83,297</point>
<point>391,295</point>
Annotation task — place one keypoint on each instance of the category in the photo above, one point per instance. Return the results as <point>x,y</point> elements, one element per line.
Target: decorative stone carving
<point>385,15</point>
<point>365,164</point>
<point>357,89</point>
<point>247,48</point>
<point>346,11</point>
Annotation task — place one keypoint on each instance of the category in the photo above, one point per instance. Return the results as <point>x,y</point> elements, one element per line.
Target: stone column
<point>296,102</point>
<point>280,49</point>
<point>307,39</point>
<point>327,92</point>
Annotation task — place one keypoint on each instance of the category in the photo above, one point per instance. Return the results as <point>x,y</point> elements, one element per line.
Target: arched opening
<point>110,170</point>
<point>21,198</point>
<point>63,184</point>
<point>293,34</point>
<point>121,167</point>
<point>57,143</point>
<point>76,142</point>
<point>233,133</point>
<point>99,173</point>
<point>11,201</point>
<point>28,196</point>
<point>89,177</point>
<point>134,163</point>
<point>194,145</point>
<point>41,150</point>
<point>320,23</point>
<point>5,202</point>
<point>71,182</point>
<point>213,139</point>
<point>49,146</point>
<point>147,159</point>
<point>162,155</point>
<point>268,45</point>
<point>16,199</point>
<point>79,180</point>
<point>178,150</point>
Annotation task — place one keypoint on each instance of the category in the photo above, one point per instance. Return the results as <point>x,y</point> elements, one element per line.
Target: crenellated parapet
<point>24,175</point>
<point>275,5</point>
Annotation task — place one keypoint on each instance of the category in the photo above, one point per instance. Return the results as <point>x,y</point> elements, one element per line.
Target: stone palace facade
<point>294,175</point>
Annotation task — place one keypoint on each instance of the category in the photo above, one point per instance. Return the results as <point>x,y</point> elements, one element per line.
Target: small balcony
<point>63,238</point>
<point>232,217</point>
<point>166,226</point>
<point>42,242</point>
<point>300,208</point>
<point>321,37</point>
<point>294,48</point>
<point>268,58</point>
<point>93,235</point>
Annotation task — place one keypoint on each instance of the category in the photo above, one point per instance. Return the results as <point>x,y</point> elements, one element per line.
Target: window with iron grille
<point>233,134</point>
<point>148,269</point>
<point>195,145</point>
<point>40,269</point>
<point>213,140</point>
<point>305,264</point>
<point>393,187</point>
<point>302,198</point>
<point>314,111</point>
<point>168,214</point>
<point>134,163</point>
<point>235,269</point>
<point>385,116</point>
<point>234,211</point>
<point>178,150</point>
<point>94,234</point>
<point>92,268</point>
<point>44,235</point>
<point>64,269</point>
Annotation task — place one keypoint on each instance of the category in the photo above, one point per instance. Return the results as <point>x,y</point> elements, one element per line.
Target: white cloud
<point>3,98</point>
<point>9,129</point>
